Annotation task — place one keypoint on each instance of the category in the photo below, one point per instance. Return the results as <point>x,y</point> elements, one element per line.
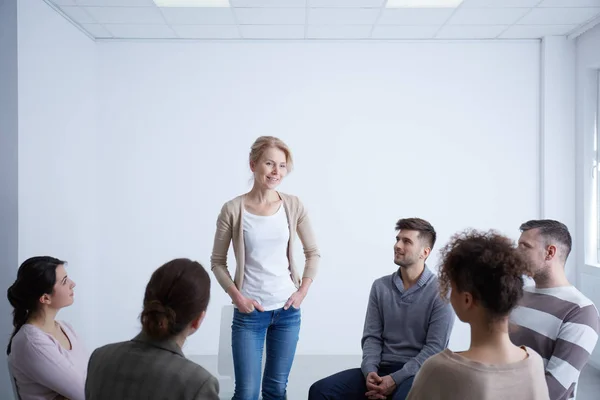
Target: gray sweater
<point>405,327</point>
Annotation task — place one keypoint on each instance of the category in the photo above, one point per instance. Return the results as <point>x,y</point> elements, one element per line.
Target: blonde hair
<point>263,143</point>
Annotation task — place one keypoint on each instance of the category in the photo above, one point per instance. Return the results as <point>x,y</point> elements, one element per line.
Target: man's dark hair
<point>426,232</point>
<point>551,231</point>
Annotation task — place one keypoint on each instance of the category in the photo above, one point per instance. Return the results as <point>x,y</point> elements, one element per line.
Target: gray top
<point>145,369</point>
<point>405,326</point>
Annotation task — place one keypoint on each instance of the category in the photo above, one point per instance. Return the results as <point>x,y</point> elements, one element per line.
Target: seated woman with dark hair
<point>152,365</point>
<point>484,275</point>
<point>45,356</point>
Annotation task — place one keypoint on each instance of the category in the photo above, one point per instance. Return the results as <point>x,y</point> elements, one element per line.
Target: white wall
<point>380,131</point>
<point>588,64</point>
<point>9,134</point>
<point>557,136</point>
<point>57,158</point>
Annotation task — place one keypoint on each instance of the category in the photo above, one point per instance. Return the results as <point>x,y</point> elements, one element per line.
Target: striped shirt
<point>562,325</point>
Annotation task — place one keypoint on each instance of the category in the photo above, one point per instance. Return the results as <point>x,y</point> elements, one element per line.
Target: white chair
<point>225,356</point>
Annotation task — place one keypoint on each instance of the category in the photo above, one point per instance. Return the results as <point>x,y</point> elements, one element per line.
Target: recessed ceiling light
<point>192,3</point>
<point>423,3</point>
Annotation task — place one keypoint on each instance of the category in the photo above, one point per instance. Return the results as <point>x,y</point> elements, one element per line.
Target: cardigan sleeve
<point>309,243</point>
<point>222,241</point>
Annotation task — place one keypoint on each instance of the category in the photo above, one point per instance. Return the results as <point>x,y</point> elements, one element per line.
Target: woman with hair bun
<point>482,275</point>
<point>45,356</point>
<point>152,365</point>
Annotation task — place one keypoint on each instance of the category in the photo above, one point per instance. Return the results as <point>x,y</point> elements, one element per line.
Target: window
<point>596,168</point>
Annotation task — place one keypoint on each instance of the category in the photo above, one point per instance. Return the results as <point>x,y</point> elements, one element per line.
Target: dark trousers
<point>352,385</point>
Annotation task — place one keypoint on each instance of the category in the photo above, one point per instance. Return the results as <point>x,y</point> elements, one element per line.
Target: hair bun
<point>13,297</point>
<point>158,320</point>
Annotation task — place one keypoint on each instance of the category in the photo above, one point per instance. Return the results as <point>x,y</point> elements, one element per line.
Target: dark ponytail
<point>36,277</point>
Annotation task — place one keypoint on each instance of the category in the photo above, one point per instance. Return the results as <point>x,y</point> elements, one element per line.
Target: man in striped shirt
<point>554,318</point>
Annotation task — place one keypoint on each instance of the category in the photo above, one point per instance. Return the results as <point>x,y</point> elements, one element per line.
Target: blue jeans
<point>281,329</point>
<point>351,384</point>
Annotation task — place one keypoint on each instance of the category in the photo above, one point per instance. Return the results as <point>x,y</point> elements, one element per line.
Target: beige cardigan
<point>230,229</point>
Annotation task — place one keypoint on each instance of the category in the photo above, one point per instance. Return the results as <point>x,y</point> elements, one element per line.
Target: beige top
<point>230,230</point>
<point>449,376</point>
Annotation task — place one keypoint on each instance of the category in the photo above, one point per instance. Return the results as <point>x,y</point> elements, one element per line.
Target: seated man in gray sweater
<point>407,322</point>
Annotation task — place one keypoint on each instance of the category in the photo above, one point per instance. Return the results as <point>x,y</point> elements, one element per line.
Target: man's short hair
<point>551,231</point>
<point>426,231</point>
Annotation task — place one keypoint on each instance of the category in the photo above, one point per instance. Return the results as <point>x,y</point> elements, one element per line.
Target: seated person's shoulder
<point>535,358</point>
<point>383,281</point>
<point>435,364</point>
<point>105,354</point>
<point>30,342</point>
<point>201,378</point>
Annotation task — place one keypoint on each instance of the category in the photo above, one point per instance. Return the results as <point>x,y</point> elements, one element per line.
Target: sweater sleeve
<point>372,340</point>
<point>43,363</point>
<point>222,241</point>
<point>574,344</point>
<point>438,335</point>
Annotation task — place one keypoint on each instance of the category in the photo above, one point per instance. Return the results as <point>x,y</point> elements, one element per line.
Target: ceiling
<point>330,19</point>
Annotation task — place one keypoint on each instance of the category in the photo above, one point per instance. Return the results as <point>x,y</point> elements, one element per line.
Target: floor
<point>308,369</point>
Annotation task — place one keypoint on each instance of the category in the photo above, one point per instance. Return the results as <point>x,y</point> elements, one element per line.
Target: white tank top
<point>267,277</point>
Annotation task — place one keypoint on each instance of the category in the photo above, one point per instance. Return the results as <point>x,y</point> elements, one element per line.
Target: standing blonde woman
<point>267,288</point>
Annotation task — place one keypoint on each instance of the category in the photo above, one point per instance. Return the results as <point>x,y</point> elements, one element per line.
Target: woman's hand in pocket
<point>246,305</point>
<point>295,300</point>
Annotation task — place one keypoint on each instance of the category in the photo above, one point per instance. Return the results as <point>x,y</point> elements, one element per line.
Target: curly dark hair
<point>487,265</point>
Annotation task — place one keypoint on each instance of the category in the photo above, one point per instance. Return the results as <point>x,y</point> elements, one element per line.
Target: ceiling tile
<point>415,16</point>
<point>126,15</point>
<point>559,16</point>
<point>96,30</point>
<point>536,31</point>
<point>346,3</point>
<point>342,16</point>
<point>499,3</point>
<point>62,2</point>
<point>487,16</point>
<point>126,31</point>
<point>270,16</point>
<point>268,3</point>
<point>117,3</point>
<point>404,32</point>
<point>339,31</point>
<point>78,14</point>
<point>206,31</point>
<point>470,32</point>
<point>198,16</point>
<point>272,31</point>
<point>570,3</point>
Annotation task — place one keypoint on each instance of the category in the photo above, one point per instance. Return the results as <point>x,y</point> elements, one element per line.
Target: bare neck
<point>262,196</point>
<point>410,275</point>
<point>45,320</point>
<point>555,277</point>
<point>491,344</point>
<point>180,340</point>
